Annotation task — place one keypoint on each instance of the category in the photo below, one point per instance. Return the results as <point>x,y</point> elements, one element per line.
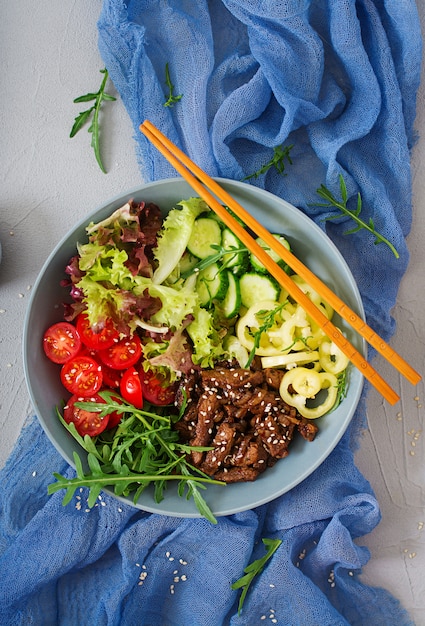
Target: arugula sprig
<point>280,155</point>
<point>93,112</point>
<point>220,253</point>
<point>171,99</point>
<point>143,450</point>
<point>255,568</point>
<point>267,319</point>
<point>331,201</point>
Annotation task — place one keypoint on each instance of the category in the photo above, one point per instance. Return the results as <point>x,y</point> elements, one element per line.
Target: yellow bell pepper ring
<point>270,343</point>
<point>331,358</point>
<point>300,387</point>
<point>313,295</point>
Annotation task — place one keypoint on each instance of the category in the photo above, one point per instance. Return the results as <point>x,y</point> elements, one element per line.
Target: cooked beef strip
<point>241,416</point>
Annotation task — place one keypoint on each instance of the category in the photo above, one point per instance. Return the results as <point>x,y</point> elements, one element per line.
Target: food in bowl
<point>170,306</point>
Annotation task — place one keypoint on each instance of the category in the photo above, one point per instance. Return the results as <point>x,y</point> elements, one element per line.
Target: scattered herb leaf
<point>255,568</point>
<point>331,201</point>
<point>172,99</point>
<point>93,112</point>
<point>280,155</point>
<point>213,258</point>
<point>142,450</point>
<point>268,319</point>
<point>342,388</point>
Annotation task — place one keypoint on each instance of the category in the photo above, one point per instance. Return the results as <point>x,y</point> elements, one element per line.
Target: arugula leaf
<point>280,154</point>
<point>268,318</point>
<point>143,450</point>
<point>255,568</point>
<point>83,117</point>
<point>331,201</point>
<point>172,99</point>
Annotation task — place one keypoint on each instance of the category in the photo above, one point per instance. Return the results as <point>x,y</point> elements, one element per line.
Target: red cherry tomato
<point>131,388</point>
<point>94,340</point>
<point>157,389</point>
<point>82,376</point>
<point>86,422</point>
<point>111,377</point>
<point>123,354</point>
<point>61,342</point>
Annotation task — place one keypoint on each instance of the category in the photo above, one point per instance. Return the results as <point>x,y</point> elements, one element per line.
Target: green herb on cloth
<point>280,155</point>
<point>331,201</point>
<point>172,99</point>
<point>255,568</point>
<point>143,450</point>
<point>93,112</point>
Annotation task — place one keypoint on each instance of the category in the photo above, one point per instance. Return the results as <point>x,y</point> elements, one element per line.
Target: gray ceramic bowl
<point>308,242</point>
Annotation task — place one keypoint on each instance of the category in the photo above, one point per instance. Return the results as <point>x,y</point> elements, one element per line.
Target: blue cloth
<point>338,80</point>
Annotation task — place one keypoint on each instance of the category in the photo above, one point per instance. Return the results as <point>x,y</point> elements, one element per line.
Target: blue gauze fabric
<point>338,80</point>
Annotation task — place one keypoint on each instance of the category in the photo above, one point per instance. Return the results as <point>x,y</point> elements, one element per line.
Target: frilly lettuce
<point>207,341</point>
<point>186,336</point>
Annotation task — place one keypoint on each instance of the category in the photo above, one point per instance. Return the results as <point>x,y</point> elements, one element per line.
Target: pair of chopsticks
<point>197,178</point>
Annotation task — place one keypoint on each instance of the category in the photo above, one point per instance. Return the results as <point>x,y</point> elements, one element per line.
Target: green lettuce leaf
<point>207,341</point>
<point>175,235</point>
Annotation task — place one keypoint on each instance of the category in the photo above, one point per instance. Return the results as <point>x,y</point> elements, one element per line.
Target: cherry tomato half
<point>82,375</point>
<point>86,422</point>
<point>111,377</point>
<point>131,388</point>
<point>156,389</point>
<point>61,342</point>
<point>123,354</point>
<point>94,340</point>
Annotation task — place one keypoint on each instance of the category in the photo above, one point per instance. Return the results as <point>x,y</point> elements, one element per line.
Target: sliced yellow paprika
<point>331,358</point>
<point>300,386</point>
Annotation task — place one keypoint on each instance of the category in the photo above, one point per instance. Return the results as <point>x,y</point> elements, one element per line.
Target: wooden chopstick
<point>181,162</point>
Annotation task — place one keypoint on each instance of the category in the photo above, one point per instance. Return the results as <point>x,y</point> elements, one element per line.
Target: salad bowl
<point>308,242</point>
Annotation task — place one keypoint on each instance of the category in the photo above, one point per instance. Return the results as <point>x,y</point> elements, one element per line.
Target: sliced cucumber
<point>237,262</point>
<point>258,265</point>
<point>205,233</point>
<point>211,284</point>
<point>231,302</point>
<point>214,216</point>
<point>257,287</point>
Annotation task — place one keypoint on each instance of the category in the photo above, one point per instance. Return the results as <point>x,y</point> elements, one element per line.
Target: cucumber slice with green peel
<point>205,233</point>
<point>211,284</point>
<point>258,287</point>
<point>231,303</point>
<point>216,217</point>
<point>258,266</point>
<point>238,261</point>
